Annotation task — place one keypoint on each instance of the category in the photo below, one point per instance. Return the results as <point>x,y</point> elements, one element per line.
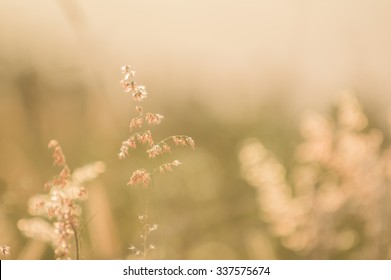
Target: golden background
<point>220,72</point>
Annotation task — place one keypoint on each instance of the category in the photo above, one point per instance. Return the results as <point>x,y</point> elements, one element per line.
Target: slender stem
<point>145,241</point>
<point>145,229</point>
<point>77,241</point>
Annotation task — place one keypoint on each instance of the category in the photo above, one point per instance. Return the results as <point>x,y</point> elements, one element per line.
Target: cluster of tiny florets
<point>138,92</point>
<point>140,176</point>
<point>62,179</point>
<point>168,166</point>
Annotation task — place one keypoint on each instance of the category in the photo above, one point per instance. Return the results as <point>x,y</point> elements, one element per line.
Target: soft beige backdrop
<point>225,51</point>
<point>220,71</point>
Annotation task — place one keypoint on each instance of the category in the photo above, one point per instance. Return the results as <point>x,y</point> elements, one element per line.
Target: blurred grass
<point>205,210</point>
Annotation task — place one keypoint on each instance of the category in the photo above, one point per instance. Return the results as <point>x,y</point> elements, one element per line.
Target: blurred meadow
<point>287,102</point>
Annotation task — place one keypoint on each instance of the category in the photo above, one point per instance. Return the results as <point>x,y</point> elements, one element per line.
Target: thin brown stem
<point>77,241</point>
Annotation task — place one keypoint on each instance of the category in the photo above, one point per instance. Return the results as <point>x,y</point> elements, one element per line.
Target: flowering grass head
<point>144,138</point>
<point>141,137</point>
<point>58,211</point>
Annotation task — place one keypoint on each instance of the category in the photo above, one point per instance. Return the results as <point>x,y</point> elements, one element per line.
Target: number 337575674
<point>242,270</point>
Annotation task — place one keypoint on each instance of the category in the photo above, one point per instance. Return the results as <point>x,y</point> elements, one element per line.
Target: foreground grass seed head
<point>58,211</point>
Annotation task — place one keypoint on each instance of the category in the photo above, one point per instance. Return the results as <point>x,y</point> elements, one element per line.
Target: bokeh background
<point>220,72</point>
